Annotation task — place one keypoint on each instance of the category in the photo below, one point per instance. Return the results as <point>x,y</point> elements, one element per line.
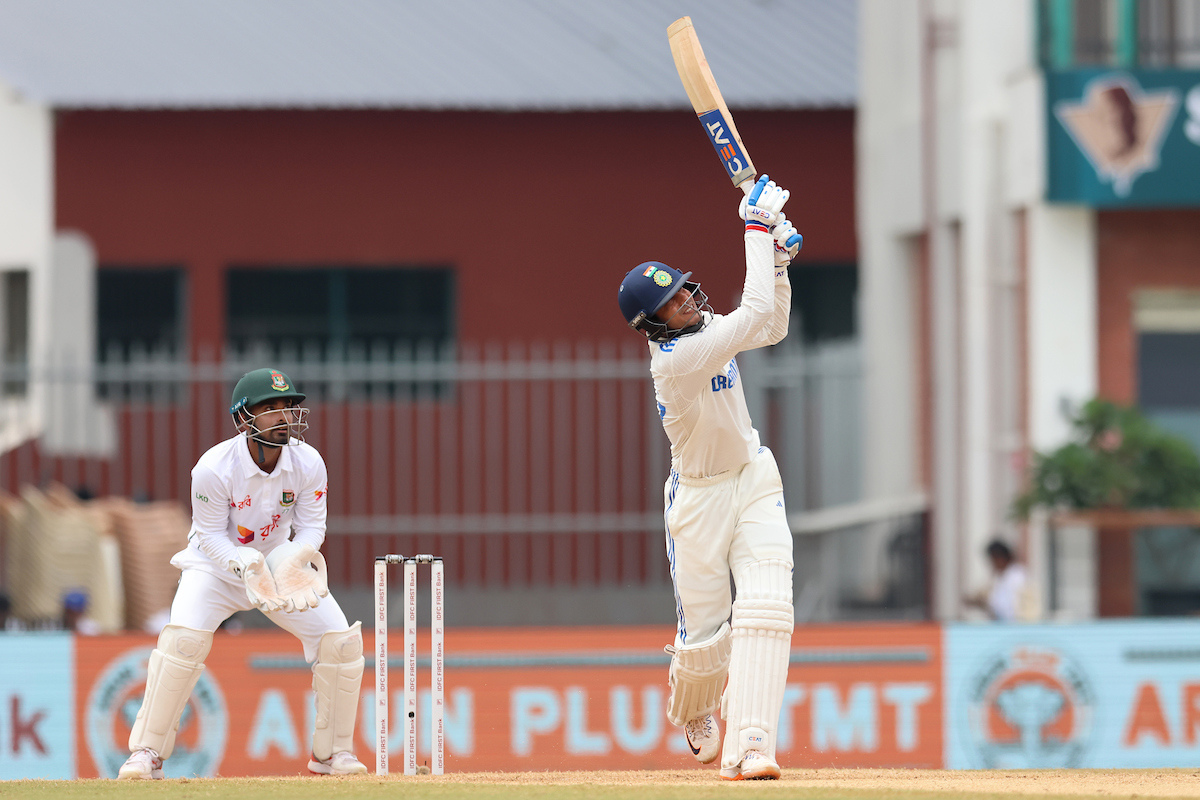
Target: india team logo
<point>1029,708</point>
<point>278,382</point>
<point>662,278</point>
<point>112,707</point>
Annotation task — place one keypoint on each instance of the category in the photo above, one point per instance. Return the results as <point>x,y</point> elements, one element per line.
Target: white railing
<point>555,452</point>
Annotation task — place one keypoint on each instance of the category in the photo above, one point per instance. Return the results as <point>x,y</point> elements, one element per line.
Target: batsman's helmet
<point>647,288</point>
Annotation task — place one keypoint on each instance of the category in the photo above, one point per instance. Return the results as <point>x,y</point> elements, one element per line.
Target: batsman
<point>724,497</point>
<point>258,523</point>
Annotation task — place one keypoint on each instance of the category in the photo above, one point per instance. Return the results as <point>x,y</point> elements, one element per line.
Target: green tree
<point>1116,458</point>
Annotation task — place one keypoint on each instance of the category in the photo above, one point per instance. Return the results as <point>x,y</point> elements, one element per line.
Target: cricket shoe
<point>755,766</point>
<point>143,765</point>
<point>703,738</point>
<point>342,762</point>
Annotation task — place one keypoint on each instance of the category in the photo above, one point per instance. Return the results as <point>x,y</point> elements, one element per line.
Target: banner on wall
<point>521,700</point>
<point>1123,138</point>
<point>37,687</point>
<point>1105,694</point>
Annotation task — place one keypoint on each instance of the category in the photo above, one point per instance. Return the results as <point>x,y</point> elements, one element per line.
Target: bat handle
<point>747,185</point>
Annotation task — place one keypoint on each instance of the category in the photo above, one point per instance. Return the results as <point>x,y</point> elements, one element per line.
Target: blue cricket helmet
<point>647,288</point>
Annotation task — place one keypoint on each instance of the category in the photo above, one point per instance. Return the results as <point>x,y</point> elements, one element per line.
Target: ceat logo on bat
<point>278,382</point>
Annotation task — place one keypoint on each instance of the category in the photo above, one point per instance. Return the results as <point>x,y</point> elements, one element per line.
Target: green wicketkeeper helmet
<point>260,385</point>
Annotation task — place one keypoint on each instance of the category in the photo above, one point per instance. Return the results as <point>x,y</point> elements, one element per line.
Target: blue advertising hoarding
<point>1123,138</point>
<point>37,705</point>
<point>1101,694</point>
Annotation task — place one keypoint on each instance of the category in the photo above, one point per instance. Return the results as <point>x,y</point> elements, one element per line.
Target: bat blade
<point>705,95</point>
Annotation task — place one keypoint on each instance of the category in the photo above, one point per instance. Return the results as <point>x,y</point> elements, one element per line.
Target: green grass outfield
<point>824,784</point>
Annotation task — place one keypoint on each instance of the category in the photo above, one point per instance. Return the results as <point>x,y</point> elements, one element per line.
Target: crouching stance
<point>724,498</point>
<point>258,523</point>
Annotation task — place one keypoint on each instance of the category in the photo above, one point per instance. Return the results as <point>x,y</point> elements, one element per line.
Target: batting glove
<point>762,207</point>
<point>787,241</point>
<point>251,567</point>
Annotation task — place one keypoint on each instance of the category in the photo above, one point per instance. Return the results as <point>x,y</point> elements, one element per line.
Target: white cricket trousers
<point>204,600</point>
<point>717,526</point>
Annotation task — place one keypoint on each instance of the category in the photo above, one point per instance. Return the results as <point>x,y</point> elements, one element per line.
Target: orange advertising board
<point>521,699</point>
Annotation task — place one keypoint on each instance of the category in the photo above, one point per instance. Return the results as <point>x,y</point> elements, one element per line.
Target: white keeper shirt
<point>236,504</point>
<point>696,380</point>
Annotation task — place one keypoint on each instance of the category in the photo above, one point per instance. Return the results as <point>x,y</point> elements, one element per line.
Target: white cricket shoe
<point>342,762</point>
<point>142,765</point>
<point>755,766</point>
<point>703,738</point>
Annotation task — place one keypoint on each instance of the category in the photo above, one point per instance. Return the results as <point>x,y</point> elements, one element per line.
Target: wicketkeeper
<point>258,523</point>
<point>724,498</point>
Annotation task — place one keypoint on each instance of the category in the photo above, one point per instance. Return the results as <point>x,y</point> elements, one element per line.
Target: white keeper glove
<point>251,567</point>
<point>300,575</point>
<point>787,241</point>
<point>762,208</point>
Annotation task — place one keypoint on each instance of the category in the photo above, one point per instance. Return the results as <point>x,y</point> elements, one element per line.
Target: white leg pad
<point>697,676</point>
<point>763,619</point>
<point>337,679</point>
<point>175,666</point>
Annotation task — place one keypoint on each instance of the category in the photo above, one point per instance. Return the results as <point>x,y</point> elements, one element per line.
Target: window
<point>1148,33</point>
<point>139,309</point>
<point>339,308</point>
<point>825,296</point>
<point>14,299</point>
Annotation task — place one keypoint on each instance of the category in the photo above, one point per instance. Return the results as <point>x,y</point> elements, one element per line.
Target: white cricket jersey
<point>236,504</point>
<point>696,379</point>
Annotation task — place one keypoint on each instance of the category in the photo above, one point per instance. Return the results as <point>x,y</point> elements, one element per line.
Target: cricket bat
<point>710,106</point>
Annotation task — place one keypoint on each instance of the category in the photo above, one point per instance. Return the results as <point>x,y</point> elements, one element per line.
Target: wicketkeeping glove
<point>251,567</point>
<point>300,575</point>
<point>762,207</point>
<point>787,241</point>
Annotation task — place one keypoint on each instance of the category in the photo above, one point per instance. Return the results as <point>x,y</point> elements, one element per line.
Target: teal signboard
<point>1124,138</point>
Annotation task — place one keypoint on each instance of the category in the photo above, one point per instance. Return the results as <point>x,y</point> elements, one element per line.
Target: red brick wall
<point>1137,250</point>
<point>533,209</point>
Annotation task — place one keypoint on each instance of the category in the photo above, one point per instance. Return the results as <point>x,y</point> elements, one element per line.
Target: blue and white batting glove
<point>787,241</point>
<point>761,208</point>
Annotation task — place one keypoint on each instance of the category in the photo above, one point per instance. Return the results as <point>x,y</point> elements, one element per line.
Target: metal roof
<point>435,54</point>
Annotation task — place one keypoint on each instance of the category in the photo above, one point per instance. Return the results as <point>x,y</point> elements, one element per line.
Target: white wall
<point>987,140</point>
<point>26,224</point>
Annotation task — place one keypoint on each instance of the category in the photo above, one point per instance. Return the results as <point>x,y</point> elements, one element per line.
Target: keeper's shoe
<point>142,765</point>
<point>342,762</point>
<point>755,766</point>
<point>703,738</point>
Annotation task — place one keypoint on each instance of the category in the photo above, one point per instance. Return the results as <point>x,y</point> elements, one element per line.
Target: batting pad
<point>697,676</point>
<point>337,679</point>
<point>175,666</point>
<point>763,619</point>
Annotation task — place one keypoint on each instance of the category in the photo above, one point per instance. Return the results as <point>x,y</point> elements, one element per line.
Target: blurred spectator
<point>1010,597</point>
<point>74,615</point>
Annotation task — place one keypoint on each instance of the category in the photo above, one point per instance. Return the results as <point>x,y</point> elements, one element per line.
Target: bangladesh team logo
<point>287,499</point>
<point>1031,707</point>
<point>112,707</point>
<point>279,382</point>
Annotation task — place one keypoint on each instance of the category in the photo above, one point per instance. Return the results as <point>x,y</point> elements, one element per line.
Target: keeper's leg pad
<point>763,619</point>
<point>175,666</point>
<point>697,677</point>
<point>337,679</point>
